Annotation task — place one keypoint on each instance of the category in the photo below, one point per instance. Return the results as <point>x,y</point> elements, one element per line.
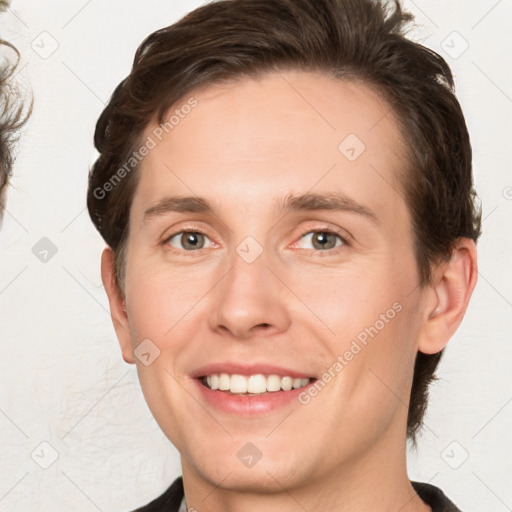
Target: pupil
<point>322,239</point>
<point>192,241</point>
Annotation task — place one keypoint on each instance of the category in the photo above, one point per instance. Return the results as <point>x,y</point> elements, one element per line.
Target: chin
<point>266,476</point>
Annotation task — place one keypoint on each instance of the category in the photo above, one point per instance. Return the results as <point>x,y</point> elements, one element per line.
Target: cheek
<point>160,298</point>
<point>379,364</point>
<point>163,306</point>
<point>352,297</point>
<point>380,376</point>
<point>374,321</point>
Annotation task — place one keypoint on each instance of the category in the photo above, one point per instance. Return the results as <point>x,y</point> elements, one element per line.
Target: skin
<point>245,146</point>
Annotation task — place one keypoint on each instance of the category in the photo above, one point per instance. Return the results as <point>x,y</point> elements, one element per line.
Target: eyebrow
<point>291,203</point>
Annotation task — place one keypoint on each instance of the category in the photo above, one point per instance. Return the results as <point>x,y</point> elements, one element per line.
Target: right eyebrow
<point>178,204</point>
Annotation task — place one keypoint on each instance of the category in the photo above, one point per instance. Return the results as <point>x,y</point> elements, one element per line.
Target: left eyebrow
<point>326,201</point>
<point>291,203</point>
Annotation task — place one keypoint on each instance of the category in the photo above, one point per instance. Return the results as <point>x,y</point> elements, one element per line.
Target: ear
<point>117,305</point>
<point>447,298</point>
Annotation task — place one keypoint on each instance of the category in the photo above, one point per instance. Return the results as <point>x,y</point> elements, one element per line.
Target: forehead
<point>284,131</point>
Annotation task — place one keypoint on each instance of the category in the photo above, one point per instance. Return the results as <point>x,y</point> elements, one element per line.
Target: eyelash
<point>317,252</point>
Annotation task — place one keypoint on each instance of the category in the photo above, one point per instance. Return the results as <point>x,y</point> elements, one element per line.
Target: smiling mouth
<point>252,385</point>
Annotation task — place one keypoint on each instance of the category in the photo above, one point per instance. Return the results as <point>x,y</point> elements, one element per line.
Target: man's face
<point>275,295</point>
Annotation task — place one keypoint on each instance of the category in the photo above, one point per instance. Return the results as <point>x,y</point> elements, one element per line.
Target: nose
<point>250,300</point>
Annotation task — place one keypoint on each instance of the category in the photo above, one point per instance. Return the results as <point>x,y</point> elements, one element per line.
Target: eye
<point>188,240</point>
<point>322,240</point>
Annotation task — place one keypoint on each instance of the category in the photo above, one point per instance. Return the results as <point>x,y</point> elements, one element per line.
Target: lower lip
<point>247,405</point>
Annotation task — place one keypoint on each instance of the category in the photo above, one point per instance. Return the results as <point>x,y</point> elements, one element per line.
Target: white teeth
<point>224,382</point>
<point>238,384</point>
<point>273,383</point>
<point>255,384</point>
<point>286,383</point>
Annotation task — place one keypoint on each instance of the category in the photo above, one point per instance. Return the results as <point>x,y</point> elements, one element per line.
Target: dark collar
<point>434,497</point>
<point>169,501</point>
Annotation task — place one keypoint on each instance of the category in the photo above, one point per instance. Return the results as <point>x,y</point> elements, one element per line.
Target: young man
<point>285,189</point>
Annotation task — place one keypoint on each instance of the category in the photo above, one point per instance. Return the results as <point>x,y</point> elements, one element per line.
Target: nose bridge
<point>249,296</point>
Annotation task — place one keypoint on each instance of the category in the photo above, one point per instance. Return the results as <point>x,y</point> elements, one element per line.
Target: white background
<point>63,380</point>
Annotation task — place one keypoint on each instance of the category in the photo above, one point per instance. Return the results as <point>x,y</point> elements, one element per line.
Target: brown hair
<point>348,39</point>
<point>12,117</point>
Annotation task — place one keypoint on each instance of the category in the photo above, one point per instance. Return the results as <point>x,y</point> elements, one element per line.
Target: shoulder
<point>434,497</point>
<point>169,501</point>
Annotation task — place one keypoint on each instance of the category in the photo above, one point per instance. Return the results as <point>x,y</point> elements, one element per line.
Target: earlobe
<point>117,305</point>
<point>448,296</point>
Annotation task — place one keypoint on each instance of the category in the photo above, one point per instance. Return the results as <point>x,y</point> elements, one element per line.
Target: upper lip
<point>247,370</point>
